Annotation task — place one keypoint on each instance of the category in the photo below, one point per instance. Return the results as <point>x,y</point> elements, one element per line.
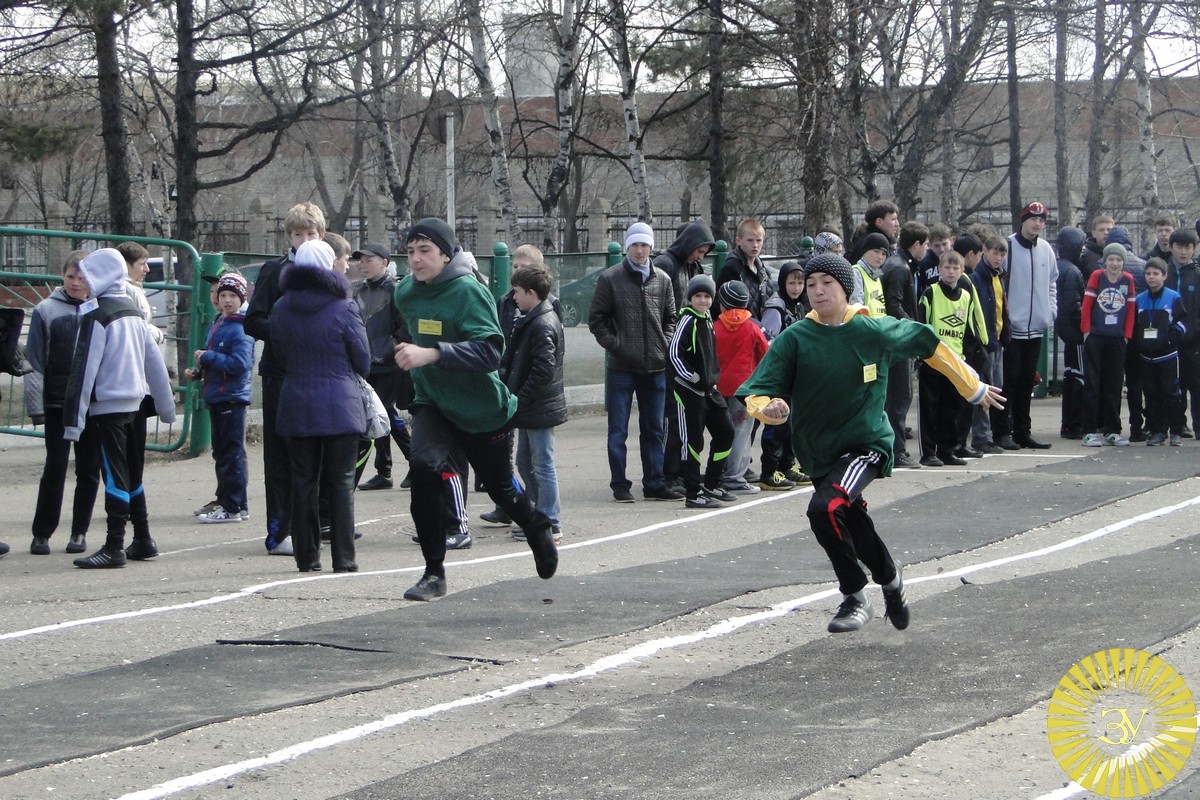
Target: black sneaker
<point>721,494</point>
<point>141,550</point>
<point>376,483</point>
<point>987,449</point>
<point>904,461</point>
<point>950,459</point>
<point>78,543</point>
<point>429,587</point>
<point>497,516</point>
<point>661,493</point>
<point>967,452</point>
<point>1006,443</point>
<point>703,500</point>
<point>895,604</point>
<point>1137,436</point>
<point>1155,440</point>
<point>851,615</point>
<point>458,541</point>
<point>797,476</point>
<point>545,554</point>
<point>102,559</point>
<point>931,461</point>
<point>407,482</point>
<point>40,546</point>
<point>622,495</point>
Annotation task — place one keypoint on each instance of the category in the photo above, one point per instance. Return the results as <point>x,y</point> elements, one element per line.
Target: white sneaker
<point>244,513</point>
<point>284,548</point>
<point>207,508</point>
<point>740,486</point>
<point>1093,440</point>
<point>219,516</point>
<point>1116,440</point>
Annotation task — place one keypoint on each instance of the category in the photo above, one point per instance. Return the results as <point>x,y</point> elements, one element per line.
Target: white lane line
<point>522,553</point>
<point>605,664</point>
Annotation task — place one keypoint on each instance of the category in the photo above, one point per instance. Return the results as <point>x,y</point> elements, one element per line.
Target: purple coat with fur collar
<point>319,339</point>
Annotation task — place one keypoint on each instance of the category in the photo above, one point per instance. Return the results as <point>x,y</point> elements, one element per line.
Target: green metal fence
<point>185,330</point>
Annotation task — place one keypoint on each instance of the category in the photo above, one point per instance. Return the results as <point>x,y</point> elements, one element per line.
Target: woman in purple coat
<point>318,336</point>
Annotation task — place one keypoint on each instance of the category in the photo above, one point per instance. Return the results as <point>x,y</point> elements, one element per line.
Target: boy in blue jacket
<point>1158,331</point>
<point>225,367</point>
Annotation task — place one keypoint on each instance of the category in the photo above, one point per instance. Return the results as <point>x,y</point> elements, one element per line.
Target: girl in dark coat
<point>318,336</point>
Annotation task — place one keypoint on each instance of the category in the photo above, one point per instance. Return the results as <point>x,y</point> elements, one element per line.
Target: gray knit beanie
<point>701,283</point>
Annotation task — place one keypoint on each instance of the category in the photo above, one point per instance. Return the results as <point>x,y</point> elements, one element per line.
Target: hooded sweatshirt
<point>781,310</point>
<point>740,346</point>
<point>675,263</point>
<point>456,314</point>
<point>116,362</point>
<point>1070,286</point>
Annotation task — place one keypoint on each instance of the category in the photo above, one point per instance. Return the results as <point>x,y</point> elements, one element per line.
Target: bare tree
<point>497,144</point>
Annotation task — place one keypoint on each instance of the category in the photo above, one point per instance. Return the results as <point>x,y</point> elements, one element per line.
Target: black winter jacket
<point>1071,286</point>
<point>899,284</point>
<point>532,369</point>
<point>507,311</point>
<point>1185,279</point>
<point>759,284</point>
<point>674,261</point>
<point>633,319</point>
<point>258,313</point>
<point>379,315</point>
<point>50,349</point>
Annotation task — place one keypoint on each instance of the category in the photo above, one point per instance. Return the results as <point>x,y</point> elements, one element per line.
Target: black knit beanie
<point>835,267</point>
<point>436,231</point>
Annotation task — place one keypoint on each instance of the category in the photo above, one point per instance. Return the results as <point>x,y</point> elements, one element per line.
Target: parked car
<point>576,298</point>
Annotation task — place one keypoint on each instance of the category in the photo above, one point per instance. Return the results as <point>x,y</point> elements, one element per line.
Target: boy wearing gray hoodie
<point>116,364</point>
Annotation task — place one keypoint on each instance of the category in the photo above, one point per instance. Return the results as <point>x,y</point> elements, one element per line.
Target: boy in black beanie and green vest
<point>832,367</point>
<point>459,400</point>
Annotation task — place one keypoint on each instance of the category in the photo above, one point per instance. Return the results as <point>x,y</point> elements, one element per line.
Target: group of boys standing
<point>1129,321</point>
<point>683,364</point>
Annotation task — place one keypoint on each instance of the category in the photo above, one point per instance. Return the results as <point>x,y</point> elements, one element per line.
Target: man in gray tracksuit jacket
<point>1030,284</point>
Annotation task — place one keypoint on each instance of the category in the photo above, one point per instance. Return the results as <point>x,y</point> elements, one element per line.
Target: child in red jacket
<point>740,346</point>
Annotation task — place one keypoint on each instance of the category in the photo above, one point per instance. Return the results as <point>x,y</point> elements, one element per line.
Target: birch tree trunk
<point>716,121</point>
<point>1094,199</point>
<point>491,122</point>
<point>377,108</point>
<point>564,98</point>
<point>633,127</point>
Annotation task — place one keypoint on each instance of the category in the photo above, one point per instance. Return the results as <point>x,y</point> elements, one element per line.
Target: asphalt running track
<point>806,713</point>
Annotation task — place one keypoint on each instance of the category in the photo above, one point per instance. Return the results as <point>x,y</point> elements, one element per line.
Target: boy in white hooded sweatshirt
<point>116,364</point>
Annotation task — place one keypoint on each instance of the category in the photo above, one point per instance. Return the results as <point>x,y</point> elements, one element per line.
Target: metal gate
<point>182,311</point>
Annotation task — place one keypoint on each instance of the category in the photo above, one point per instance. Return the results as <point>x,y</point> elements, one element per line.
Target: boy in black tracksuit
<point>1158,330</point>
<point>692,356</point>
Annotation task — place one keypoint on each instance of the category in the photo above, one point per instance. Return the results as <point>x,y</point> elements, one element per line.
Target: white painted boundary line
<point>614,661</point>
<point>262,587</point>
